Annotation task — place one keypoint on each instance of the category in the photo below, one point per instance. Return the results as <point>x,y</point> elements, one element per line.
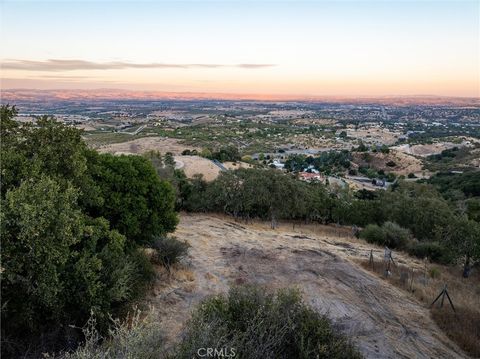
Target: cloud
<point>60,77</point>
<point>254,66</point>
<point>70,65</point>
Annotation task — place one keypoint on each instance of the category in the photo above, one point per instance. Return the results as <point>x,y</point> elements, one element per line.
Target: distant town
<point>364,144</point>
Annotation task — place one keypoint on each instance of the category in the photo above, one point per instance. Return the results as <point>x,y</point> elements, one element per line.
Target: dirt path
<point>383,321</point>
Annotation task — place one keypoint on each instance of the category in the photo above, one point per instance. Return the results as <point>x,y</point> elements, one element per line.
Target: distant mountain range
<point>33,95</point>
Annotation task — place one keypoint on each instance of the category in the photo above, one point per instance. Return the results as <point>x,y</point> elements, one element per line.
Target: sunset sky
<point>315,48</point>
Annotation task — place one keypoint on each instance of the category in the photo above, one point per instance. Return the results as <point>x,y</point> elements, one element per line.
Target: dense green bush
<point>463,240</point>
<point>389,234</point>
<point>136,202</point>
<point>395,236</point>
<point>258,324</point>
<point>168,250</point>
<point>373,234</point>
<point>39,225</point>
<point>368,171</point>
<point>433,250</point>
<point>59,266</point>
<point>417,207</point>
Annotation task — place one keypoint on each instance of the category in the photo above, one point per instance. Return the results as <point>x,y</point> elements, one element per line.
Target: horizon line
<point>229,94</point>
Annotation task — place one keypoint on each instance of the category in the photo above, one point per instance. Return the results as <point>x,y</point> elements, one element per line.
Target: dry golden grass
<point>235,165</point>
<point>132,145</point>
<point>184,275</point>
<point>461,325</point>
<point>300,226</point>
<point>193,165</point>
<point>321,261</point>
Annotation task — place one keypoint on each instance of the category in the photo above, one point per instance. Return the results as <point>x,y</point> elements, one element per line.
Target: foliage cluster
<point>169,250</point>
<point>467,183</point>
<point>249,322</point>
<point>72,223</point>
<point>266,194</point>
<point>137,336</point>
<point>259,324</point>
<point>327,162</point>
<point>227,153</point>
<point>388,234</point>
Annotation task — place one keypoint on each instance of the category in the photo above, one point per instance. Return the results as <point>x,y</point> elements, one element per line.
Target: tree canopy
<point>71,224</point>
<point>137,203</point>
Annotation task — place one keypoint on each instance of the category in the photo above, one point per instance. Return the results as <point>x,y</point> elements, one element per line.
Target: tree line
<point>437,228</point>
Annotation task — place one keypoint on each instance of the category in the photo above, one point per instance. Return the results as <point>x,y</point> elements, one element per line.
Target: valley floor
<point>323,262</point>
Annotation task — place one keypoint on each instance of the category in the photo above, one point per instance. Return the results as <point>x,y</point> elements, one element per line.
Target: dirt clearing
<point>144,144</point>
<point>428,149</point>
<point>403,163</point>
<point>236,165</point>
<point>193,165</point>
<point>383,321</point>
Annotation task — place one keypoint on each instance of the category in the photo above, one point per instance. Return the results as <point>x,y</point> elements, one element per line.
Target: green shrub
<point>373,234</point>
<point>145,272</point>
<point>258,324</point>
<point>435,251</point>
<point>395,236</point>
<point>389,234</point>
<point>227,153</point>
<point>390,177</point>
<point>169,250</point>
<point>137,202</point>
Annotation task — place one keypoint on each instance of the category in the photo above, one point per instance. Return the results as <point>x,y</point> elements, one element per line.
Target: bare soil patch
<point>375,135</point>
<point>236,165</point>
<point>145,144</point>
<point>193,165</point>
<point>427,149</point>
<point>404,163</point>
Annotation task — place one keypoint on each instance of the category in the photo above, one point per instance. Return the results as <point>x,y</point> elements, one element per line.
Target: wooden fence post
<point>442,294</point>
